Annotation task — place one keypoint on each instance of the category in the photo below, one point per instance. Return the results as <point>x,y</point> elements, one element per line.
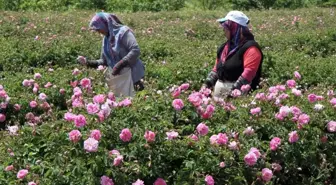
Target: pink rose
<point>303,119</point>
<point>33,104</point>
<point>125,103</point>
<point>312,98</point>
<point>75,136</point>
<point>208,112</point>
<point>118,160</point>
<point>248,131</point>
<point>178,104</point>
<point>297,75</point>
<point>2,118</point>
<point>149,136</point>
<point>100,99</point>
<point>138,182</point>
<point>260,96</point>
<point>275,143</point>
<point>295,110</point>
<point>291,83</point>
<point>330,93</point>
<point>100,68</point>
<point>213,139</point>
<point>92,108</point>
<point>91,145</point>
<point>160,181</point>
<point>333,102</point>
<point>75,72</point>
<point>202,129</point>
<point>222,164</point>
<point>32,183</point>
<point>111,96</point>
<point>17,107</point>
<point>104,180</point>
<point>283,96</point>
<point>255,151</point>
<point>42,96</point>
<point>276,167</point>
<point>256,111</point>
<point>281,87</point>
<point>293,137</point>
<point>26,83</point>
<point>9,168</point>
<point>85,83</point>
<point>284,111</point>
<point>22,174</point>
<point>236,93</point>
<point>245,88</point>
<point>209,180</point>
<point>195,99</point>
<point>296,92</point>
<point>193,137</point>
<point>266,174</point>
<point>184,86</point>
<point>95,134</point>
<point>222,139</point>
<point>3,94</point>
<point>37,75</point>
<point>80,121</point>
<point>331,126</point>
<point>62,91</point>
<point>69,116</point>
<point>47,85</point>
<point>172,135</point>
<point>176,93</point>
<point>250,159</point>
<point>114,152</point>
<point>125,135</point>
<point>233,145</point>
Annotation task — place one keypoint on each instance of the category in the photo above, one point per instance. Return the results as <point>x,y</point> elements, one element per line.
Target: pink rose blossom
<point>331,126</point>
<point>233,145</point>
<point>111,96</point>
<point>202,129</point>
<point>312,98</point>
<point>3,94</point>
<point>296,92</point>
<point>295,110</point>
<point>195,99</point>
<point>69,116</point>
<point>205,91</point>
<point>319,98</point>
<point>178,104</point>
<point>209,180</point>
<point>125,135</point>
<point>125,103</point>
<point>92,108</point>
<point>101,116</point>
<point>333,102</point>
<point>236,93</point>
<point>330,93</point>
<point>85,83</point>
<point>22,174</point>
<point>80,121</point>
<point>208,112</point>
<point>275,143</point>
<point>42,96</point>
<point>114,152</point>
<point>118,160</point>
<point>193,137</point>
<point>13,130</point>
<point>283,96</point>
<point>213,139</point>
<point>297,75</point>
<point>276,167</point>
<point>281,87</point>
<point>184,86</point>
<point>104,180</point>
<point>32,183</point>
<point>245,88</point>
<point>222,139</point>
<point>33,104</point>
<point>37,75</point>
<point>95,134</point>
<point>172,135</point>
<point>26,83</point>
<point>47,85</point>
<point>248,131</point>
<point>75,136</point>
<point>284,111</point>
<point>255,151</point>
<point>75,72</point>
<point>100,68</point>
<point>2,118</point>
<point>138,182</point>
<point>62,91</point>
<point>303,119</point>
<point>160,181</point>
<point>293,137</point>
<point>266,174</point>
<point>260,96</point>
<point>100,99</point>
<point>35,90</point>
<point>91,145</point>
<point>222,164</point>
<point>9,168</point>
<point>176,93</point>
<point>271,96</point>
<point>149,136</point>
<point>291,83</point>
<point>255,111</point>
<point>250,159</point>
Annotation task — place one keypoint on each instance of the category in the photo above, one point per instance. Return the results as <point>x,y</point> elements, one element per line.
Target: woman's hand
<point>82,60</point>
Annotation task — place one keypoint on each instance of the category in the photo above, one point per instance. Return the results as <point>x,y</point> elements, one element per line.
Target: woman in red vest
<point>238,60</point>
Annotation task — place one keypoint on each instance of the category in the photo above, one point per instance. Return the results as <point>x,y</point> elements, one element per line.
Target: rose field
<point>61,125</point>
